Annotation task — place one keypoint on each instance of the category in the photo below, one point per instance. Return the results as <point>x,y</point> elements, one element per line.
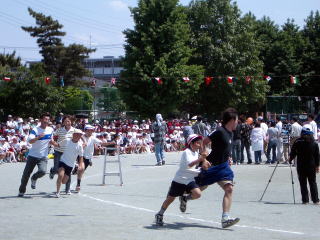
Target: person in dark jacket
<point>307,152</point>
<point>236,145</point>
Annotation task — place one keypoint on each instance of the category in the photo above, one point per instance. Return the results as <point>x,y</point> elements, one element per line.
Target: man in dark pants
<point>236,145</point>
<point>245,132</point>
<point>39,137</point>
<point>307,152</point>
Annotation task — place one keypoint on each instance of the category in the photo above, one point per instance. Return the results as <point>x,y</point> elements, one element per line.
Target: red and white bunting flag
<point>47,80</point>
<point>159,80</point>
<point>230,80</point>
<point>113,81</point>
<point>268,78</point>
<point>93,82</point>
<point>208,80</point>
<point>248,79</point>
<point>186,79</point>
<point>6,79</point>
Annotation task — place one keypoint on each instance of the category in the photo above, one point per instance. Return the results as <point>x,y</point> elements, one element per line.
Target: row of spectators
<point>131,136</point>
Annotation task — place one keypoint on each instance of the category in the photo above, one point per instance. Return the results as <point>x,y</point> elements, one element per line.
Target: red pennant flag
<point>230,80</point>
<point>6,79</point>
<point>186,79</point>
<point>248,79</point>
<point>159,81</point>
<point>47,80</point>
<point>208,80</point>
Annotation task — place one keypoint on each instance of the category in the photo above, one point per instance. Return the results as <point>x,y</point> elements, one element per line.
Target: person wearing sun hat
<point>307,152</point>
<point>184,178</point>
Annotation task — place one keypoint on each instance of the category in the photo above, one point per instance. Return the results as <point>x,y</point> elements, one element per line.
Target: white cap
<point>89,127</point>
<point>78,131</point>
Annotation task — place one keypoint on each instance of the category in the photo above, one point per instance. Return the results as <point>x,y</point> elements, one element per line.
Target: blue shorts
<point>214,174</point>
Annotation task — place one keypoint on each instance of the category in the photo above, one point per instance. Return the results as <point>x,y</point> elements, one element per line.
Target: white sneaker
<point>57,195</point>
<point>68,192</point>
<point>229,222</point>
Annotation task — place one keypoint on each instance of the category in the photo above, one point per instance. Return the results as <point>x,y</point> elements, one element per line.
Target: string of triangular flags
<point>232,80</point>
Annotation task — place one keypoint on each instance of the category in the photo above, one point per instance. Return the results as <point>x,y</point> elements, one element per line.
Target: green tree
<point>76,99</point>
<point>111,100</point>
<point>226,45</point>
<point>58,59</point>
<point>10,60</point>
<point>310,83</point>
<point>26,95</point>
<point>158,46</point>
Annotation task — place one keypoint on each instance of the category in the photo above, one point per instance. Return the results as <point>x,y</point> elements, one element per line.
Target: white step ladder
<point>105,173</point>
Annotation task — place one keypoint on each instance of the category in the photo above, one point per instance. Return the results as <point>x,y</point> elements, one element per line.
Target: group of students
<point>71,145</point>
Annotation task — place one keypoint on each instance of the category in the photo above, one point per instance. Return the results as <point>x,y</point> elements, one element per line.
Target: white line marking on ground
<point>188,218</point>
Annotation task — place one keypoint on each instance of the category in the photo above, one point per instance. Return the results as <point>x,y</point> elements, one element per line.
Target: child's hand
<point>205,165</point>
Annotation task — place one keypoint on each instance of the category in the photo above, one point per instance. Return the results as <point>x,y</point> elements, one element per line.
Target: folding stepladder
<point>105,173</point>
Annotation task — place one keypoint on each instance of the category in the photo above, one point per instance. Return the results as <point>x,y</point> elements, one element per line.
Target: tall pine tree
<point>59,60</point>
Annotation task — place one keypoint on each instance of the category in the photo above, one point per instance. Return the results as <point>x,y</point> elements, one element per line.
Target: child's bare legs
<point>62,179</point>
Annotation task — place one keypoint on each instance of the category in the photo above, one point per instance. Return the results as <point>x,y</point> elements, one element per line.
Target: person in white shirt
<point>88,150</point>
<point>40,137</point>
<point>184,179</point>
<point>314,126</point>
<point>295,131</point>
<point>264,128</point>
<point>72,149</point>
<point>280,140</point>
<point>11,124</point>
<point>257,138</point>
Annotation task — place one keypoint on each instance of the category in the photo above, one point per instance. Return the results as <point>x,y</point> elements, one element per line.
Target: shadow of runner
<point>181,226</point>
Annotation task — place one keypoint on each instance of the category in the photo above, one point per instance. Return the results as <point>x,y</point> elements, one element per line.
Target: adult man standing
<point>313,125</point>
<point>219,158</point>
<point>39,138</point>
<point>200,128</point>
<point>264,128</point>
<point>280,139</point>
<point>295,131</point>
<point>159,128</point>
<point>245,132</point>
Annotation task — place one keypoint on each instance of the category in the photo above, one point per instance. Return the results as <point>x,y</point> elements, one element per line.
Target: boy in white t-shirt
<point>184,178</point>
<point>72,149</point>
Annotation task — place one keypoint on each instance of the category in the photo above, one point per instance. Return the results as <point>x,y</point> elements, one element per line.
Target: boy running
<point>184,178</point>
<point>73,149</point>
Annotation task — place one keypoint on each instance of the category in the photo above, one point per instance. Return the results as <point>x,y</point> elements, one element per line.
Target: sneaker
<point>77,189</point>
<point>75,170</point>
<point>68,192</point>
<point>183,203</point>
<point>163,162</point>
<point>229,222</point>
<point>51,174</point>
<point>159,219</point>
<point>33,183</point>
<point>57,195</point>
<point>21,194</point>
<point>158,164</point>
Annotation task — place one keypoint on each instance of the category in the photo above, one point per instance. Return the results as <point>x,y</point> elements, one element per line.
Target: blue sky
<point>104,21</point>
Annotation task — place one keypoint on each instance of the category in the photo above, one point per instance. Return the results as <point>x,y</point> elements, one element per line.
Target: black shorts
<point>67,169</point>
<point>86,163</point>
<point>178,189</point>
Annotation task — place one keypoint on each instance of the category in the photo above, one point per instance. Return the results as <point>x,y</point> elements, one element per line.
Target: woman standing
<point>307,152</point>
<point>257,137</point>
